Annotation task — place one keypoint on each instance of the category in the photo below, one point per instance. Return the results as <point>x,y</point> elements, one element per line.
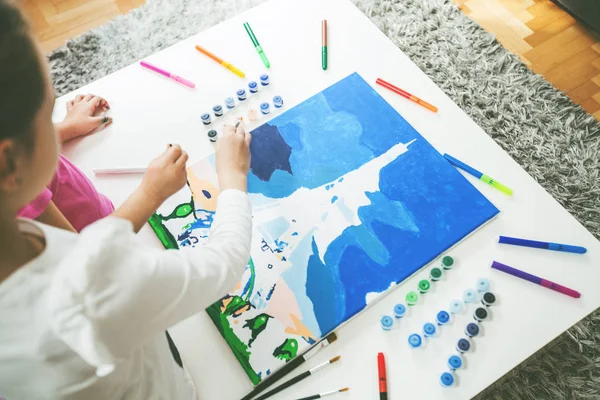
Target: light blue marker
<point>479,175</point>
<point>241,95</point>
<point>399,310</point>
<point>264,80</point>
<point>387,323</point>
<point>454,363</point>
<point>229,102</point>
<point>415,340</point>
<point>264,108</point>
<point>277,101</point>
<point>429,329</point>
<point>253,86</point>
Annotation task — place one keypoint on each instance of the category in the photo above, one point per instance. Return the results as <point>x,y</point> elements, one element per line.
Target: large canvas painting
<point>348,201</point>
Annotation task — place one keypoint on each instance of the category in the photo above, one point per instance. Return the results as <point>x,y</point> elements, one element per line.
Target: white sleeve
<point>110,295</point>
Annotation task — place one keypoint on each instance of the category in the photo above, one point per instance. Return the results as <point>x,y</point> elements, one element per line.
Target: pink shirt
<point>73,194</point>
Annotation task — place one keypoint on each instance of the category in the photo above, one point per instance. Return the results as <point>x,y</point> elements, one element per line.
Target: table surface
<point>150,111</point>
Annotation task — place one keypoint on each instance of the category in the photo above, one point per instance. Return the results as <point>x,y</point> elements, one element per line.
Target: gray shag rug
<point>554,140</point>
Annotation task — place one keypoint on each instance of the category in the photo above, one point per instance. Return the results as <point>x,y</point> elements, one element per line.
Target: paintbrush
<point>298,378</point>
<point>290,366</point>
<point>321,395</point>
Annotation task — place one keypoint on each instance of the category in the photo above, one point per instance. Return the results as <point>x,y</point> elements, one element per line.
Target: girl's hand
<point>85,114</point>
<point>165,175</point>
<point>233,158</point>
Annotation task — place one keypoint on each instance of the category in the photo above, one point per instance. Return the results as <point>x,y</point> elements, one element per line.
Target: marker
<point>206,118</point>
<point>447,262</point>
<point>321,395</point>
<point>212,135</point>
<point>442,318</point>
<point>253,87</point>
<point>479,175</point>
<point>387,323</point>
<point>169,75</point>
<point>469,296</point>
<point>488,299</point>
<point>456,306</point>
<point>119,171</point>
<point>241,94</point>
<point>257,46</point>
<point>472,330</point>
<point>229,102</point>
<point>264,108</point>
<point>454,363</point>
<point>218,110</point>
<point>480,314</point>
<point>429,329</point>
<point>264,80</point>
<point>534,279</point>
<point>483,284</point>
<point>463,345</point>
<point>220,61</point>
<point>405,94</point>
<point>447,379</point>
<point>424,286</point>
<point>415,340</point>
<point>399,310</point>
<point>324,44</point>
<point>382,377</point>
<point>277,101</point>
<point>542,245</point>
<point>435,274</point>
<point>411,298</point>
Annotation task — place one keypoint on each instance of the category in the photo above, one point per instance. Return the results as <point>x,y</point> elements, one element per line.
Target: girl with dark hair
<point>83,316</point>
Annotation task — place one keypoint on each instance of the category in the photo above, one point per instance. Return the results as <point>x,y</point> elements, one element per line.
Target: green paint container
<point>435,274</point>
<point>447,262</point>
<point>412,298</point>
<point>424,286</point>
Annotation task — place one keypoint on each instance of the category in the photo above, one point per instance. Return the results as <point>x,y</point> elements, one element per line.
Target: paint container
<point>435,274</point>
<point>264,80</point>
<point>469,296</point>
<point>277,101</point>
<point>387,323</point>
<point>206,120</point>
<point>429,329</point>
<point>480,314</point>
<point>483,284</point>
<point>454,363</point>
<point>447,262</point>
<point>463,345</point>
<point>218,110</point>
<point>252,114</point>
<point>415,340</point>
<point>424,286</point>
<point>411,298</point>
<point>488,299</point>
<point>456,306</point>
<point>472,330</point>
<point>229,102</point>
<point>265,108</point>
<point>399,310</point>
<point>253,87</point>
<point>241,94</point>
<point>212,135</point>
<point>442,318</point>
<point>447,379</point>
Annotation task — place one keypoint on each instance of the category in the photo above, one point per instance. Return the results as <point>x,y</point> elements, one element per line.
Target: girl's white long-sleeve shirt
<point>86,319</point>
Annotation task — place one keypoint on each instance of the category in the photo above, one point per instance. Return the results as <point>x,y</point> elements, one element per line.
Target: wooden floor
<point>544,36</point>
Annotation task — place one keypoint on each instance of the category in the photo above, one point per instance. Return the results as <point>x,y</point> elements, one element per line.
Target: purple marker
<point>534,279</point>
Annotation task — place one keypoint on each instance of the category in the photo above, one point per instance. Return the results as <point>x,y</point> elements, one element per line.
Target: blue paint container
<point>454,363</point>
<point>463,345</point>
<point>206,120</point>
<point>399,310</point>
<point>264,80</point>
<point>429,329</point>
<point>483,284</point>
<point>469,296</point>
<point>387,323</point>
<point>480,314</point>
<point>415,340</point>
<point>277,101</point>
<point>456,306</point>
<point>264,108</point>
<point>229,102</point>
<point>488,299</point>
<point>447,379</point>
<point>212,135</point>
<point>241,94</point>
<point>442,318</point>
<point>253,86</point>
<point>218,110</point>
<point>472,330</point>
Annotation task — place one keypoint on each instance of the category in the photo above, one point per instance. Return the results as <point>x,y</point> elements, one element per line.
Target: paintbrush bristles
<point>344,390</point>
<point>334,359</point>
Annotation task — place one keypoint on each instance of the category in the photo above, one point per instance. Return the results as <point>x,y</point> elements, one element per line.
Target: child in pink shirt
<point>70,201</point>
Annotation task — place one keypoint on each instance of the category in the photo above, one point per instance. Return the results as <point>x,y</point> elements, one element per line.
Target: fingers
<point>228,130</point>
<point>173,152</point>
<point>78,98</point>
<point>103,120</point>
<point>88,97</point>
<point>248,139</point>
<point>240,130</point>
<point>182,160</point>
<point>70,105</point>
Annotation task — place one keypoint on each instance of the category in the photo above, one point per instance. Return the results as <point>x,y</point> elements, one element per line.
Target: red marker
<point>382,377</point>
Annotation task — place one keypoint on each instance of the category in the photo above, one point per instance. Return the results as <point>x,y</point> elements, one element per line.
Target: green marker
<point>324,45</point>
<point>447,262</point>
<point>481,176</point>
<point>261,53</point>
<point>412,298</point>
<point>424,286</point>
<point>435,274</point>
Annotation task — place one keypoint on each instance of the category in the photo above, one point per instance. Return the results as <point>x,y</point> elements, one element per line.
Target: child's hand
<point>85,114</point>
<point>233,158</point>
<point>165,175</point>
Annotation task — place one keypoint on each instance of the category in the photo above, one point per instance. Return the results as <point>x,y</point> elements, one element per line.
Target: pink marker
<point>168,74</point>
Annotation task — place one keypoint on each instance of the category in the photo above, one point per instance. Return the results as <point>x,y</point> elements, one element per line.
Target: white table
<point>150,112</point>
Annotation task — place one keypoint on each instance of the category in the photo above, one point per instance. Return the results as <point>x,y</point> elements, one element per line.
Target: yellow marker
<point>220,61</point>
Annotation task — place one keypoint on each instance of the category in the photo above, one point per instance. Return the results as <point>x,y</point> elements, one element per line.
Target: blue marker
<point>442,318</point>
<point>542,245</point>
<point>241,95</point>
<point>469,296</point>
<point>229,102</point>
<point>454,363</point>
<point>277,101</point>
<point>386,323</point>
<point>483,284</point>
<point>479,175</point>
<point>264,108</point>
<point>429,329</point>
<point>253,87</point>
<point>472,329</point>
<point>399,310</point>
<point>206,120</point>
<point>456,306</point>
<point>447,379</point>
<point>264,80</point>
<point>415,340</point>
<point>218,110</point>
<point>463,345</point>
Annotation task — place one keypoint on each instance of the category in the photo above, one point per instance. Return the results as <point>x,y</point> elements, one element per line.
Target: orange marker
<point>220,61</point>
<point>404,93</point>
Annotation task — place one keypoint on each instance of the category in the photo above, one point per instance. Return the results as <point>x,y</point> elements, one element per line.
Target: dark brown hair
<point>22,85</point>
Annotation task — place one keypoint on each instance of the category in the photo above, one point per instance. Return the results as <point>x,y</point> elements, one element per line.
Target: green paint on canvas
<point>287,350</point>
